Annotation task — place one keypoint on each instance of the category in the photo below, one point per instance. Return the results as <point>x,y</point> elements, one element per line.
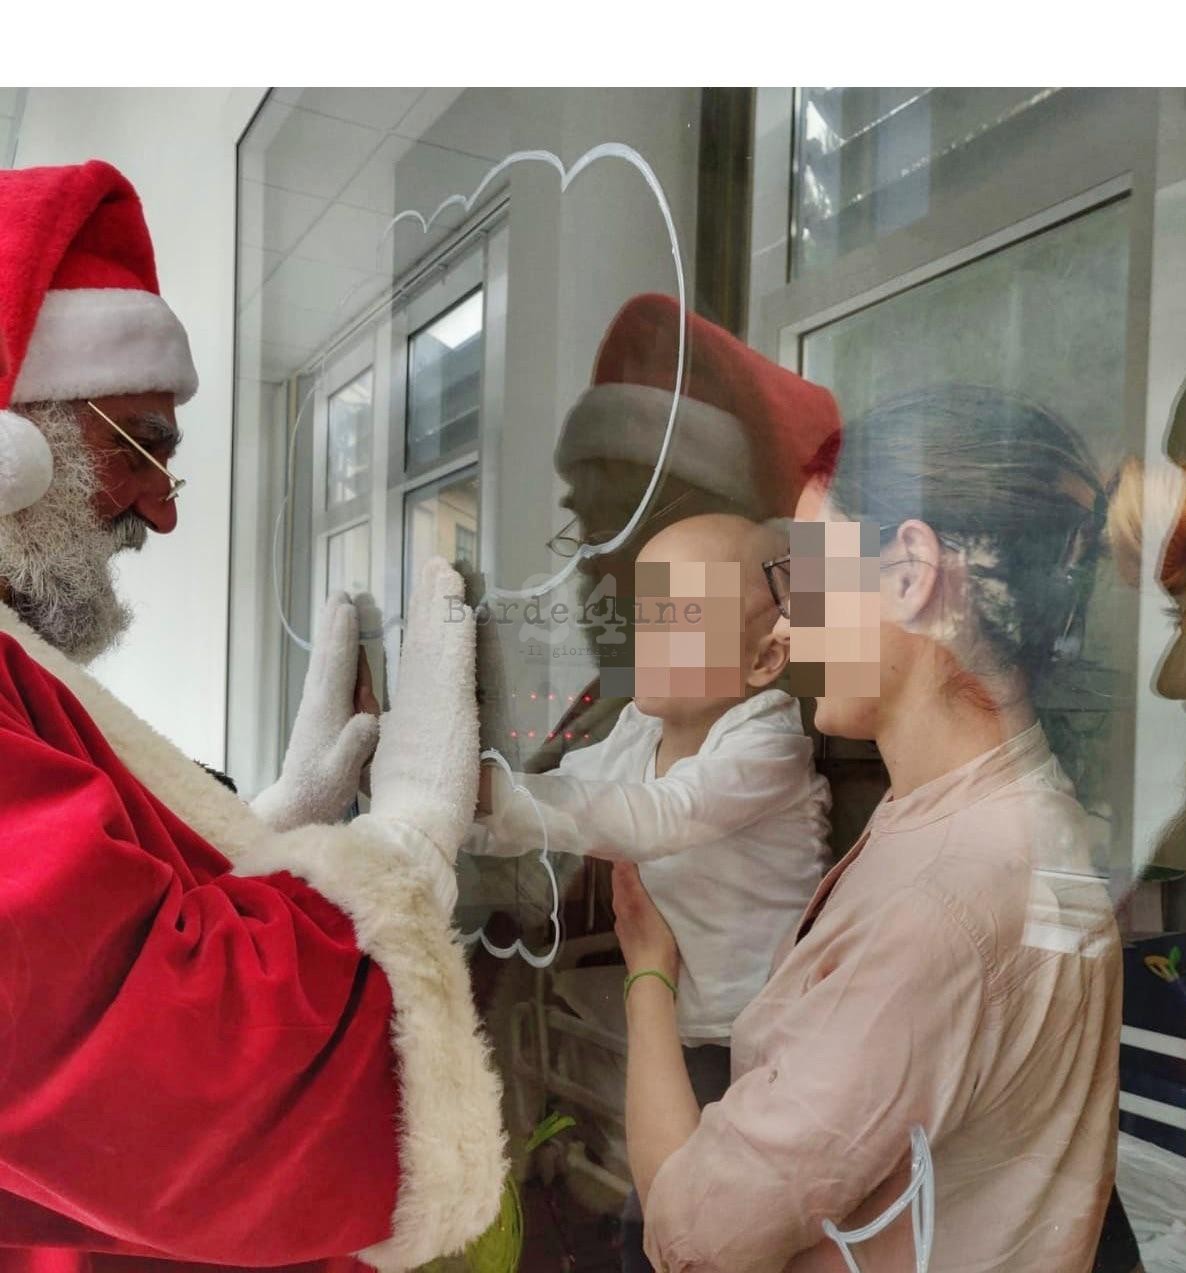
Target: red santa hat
<point>80,309</point>
<point>745,427</point>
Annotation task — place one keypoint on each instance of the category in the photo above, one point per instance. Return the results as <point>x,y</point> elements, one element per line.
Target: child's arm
<point>701,799</point>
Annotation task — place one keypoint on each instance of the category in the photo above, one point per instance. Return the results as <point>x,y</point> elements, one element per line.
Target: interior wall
<point>177,146</point>
<point>558,308</point>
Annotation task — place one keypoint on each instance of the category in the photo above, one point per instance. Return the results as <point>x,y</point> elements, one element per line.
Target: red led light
<point>568,737</point>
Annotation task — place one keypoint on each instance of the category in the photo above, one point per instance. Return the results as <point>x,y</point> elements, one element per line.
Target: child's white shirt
<point>730,842</point>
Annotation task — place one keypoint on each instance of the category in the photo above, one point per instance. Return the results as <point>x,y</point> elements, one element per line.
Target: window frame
<point>1102,147</point>
<point>474,260</point>
<point>334,519</point>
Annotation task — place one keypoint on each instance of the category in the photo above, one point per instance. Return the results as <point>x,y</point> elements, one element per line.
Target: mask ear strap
<point>919,1196</point>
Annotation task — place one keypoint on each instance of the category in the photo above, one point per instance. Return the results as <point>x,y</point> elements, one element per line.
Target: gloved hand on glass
<point>424,777</point>
<point>336,728</point>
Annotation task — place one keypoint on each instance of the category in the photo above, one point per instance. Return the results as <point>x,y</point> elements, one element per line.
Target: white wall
<point>177,146</point>
<point>575,257</point>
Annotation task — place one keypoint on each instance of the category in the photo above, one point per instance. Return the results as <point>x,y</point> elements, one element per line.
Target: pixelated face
<point>688,633</point>
<point>829,596</point>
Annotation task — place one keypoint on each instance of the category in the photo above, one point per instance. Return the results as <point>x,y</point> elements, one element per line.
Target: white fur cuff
<point>451,1144</point>
<point>449,1140</point>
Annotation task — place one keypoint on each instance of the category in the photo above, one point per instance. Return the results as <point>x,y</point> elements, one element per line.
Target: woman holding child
<point>959,970</point>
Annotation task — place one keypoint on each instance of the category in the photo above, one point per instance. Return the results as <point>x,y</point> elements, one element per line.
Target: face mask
<point>919,1196</point>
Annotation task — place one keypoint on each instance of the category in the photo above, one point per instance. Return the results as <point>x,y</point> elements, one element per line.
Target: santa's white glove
<point>331,741</point>
<point>425,772</point>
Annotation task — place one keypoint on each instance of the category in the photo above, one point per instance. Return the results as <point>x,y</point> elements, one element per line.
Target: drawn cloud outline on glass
<point>605,150</point>
<point>517,947</point>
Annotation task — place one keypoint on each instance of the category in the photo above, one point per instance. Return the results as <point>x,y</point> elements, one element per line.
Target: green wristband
<point>649,972</point>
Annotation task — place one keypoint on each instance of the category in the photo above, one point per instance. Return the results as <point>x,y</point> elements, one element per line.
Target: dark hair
<point>999,476</point>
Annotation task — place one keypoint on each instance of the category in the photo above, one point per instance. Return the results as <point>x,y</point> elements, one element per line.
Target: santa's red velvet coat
<point>219,1045</point>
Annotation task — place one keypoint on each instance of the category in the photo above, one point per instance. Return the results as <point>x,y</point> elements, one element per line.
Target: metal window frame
<point>793,333</point>
<point>473,259</point>
<point>1102,145</point>
<point>444,291</point>
<point>1100,136</point>
<point>334,519</point>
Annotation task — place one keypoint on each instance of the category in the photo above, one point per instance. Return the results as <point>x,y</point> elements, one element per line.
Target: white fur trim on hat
<point>98,342</point>
<point>614,421</point>
<point>26,465</point>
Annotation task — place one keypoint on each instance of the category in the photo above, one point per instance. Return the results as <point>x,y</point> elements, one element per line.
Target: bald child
<point>707,779</point>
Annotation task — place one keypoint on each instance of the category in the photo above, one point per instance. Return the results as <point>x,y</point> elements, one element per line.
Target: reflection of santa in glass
<point>744,429</point>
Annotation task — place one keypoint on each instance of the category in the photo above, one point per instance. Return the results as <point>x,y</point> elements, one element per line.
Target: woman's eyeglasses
<point>1068,643</point>
<point>778,569</point>
<point>778,580</point>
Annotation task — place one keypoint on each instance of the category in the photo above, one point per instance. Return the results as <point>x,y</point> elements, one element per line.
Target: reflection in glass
<point>872,160</point>
<point>441,520</point>
<point>1045,318</point>
<point>444,384</point>
<point>871,167</point>
<point>349,560</point>
<point>348,452</point>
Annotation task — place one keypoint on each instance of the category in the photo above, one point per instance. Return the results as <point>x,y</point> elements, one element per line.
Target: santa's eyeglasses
<point>566,543</point>
<point>176,484</point>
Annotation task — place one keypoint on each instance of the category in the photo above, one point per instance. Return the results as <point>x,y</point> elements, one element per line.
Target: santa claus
<point>230,1036</point>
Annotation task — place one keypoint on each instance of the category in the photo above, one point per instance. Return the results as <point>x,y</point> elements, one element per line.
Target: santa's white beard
<point>56,556</point>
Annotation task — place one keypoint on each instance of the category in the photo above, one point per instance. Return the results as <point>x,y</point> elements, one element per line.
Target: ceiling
<point>323,171</point>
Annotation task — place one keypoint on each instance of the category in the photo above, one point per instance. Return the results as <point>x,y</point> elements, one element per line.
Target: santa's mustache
<point>129,531</point>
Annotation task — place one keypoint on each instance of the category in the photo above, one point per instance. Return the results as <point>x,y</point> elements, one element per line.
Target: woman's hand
<point>661,1109</point>
<point>645,939</point>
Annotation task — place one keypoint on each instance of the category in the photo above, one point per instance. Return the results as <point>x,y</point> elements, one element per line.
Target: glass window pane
<point>441,519</point>
<point>1045,318</point>
<point>349,560</point>
<point>872,160</point>
<point>444,383</point>
<point>348,444</point>
<point>569,391</point>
